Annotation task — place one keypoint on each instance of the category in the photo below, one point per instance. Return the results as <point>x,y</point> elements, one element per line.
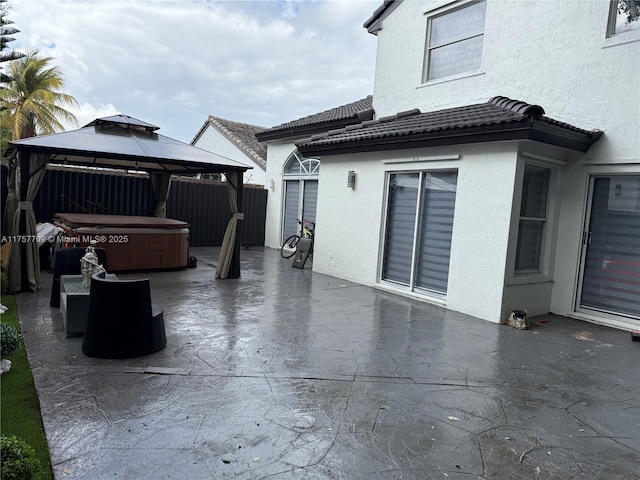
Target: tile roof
<point>374,23</point>
<point>490,121</point>
<point>343,115</point>
<point>242,134</point>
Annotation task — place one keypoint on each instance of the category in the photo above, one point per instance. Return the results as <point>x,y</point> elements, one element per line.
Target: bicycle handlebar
<point>308,222</point>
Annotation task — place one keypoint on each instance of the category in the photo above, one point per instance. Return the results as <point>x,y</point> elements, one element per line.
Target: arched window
<point>300,192</point>
<point>299,165</point>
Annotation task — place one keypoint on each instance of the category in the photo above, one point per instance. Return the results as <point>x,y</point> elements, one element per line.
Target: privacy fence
<point>204,204</point>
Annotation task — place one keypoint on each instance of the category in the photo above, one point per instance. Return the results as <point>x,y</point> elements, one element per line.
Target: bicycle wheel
<point>289,246</point>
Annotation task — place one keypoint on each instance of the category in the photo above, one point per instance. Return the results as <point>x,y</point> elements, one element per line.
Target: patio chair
<point>67,262</point>
<point>122,323</point>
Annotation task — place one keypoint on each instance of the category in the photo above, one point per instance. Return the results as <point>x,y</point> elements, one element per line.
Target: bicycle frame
<point>307,232</point>
<point>290,245</point>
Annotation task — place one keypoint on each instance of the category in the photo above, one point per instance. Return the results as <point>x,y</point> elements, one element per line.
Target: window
<point>300,192</point>
<point>533,219</point>
<point>419,229</point>
<point>454,41</point>
<point>624,16</point>
<point>299,165</point>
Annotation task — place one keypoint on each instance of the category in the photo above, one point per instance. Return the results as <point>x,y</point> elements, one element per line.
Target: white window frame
<point>421,169</point>
<point>309,171</point>
<point>547,260</point>
<point>440,12</point>
<point>308,166</point>
<point>543,220</point>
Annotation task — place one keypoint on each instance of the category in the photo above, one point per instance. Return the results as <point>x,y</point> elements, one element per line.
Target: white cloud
<point>86,113</point>
<point>175,63</point>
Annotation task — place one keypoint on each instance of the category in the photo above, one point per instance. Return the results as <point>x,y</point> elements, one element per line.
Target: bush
<point>9,340</point>
<point>19,460</point>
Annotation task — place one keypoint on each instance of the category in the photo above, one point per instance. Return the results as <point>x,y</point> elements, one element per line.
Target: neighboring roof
<point>242,135</point>
<point>499,119</point>
<point>124,142</point>
<point>337,117</point>
<point>374,23</point>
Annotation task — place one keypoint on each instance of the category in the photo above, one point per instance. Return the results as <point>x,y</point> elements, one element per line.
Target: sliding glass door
<point>611,244</point>
<point>418,230</point>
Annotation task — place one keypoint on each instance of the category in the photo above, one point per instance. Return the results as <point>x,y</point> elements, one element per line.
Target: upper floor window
<point>624,16</point>
<point>454,41</point>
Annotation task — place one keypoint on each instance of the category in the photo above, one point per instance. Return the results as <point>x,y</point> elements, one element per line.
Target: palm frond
<point>33,100</point>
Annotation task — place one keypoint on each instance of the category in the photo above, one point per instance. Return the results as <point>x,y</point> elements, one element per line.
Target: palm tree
<point>6,30</point>
<point>33,104</point>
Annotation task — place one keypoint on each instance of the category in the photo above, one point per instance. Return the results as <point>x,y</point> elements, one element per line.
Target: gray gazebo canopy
<point>118,142</point>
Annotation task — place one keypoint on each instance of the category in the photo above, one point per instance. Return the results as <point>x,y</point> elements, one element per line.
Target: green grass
<point>20,412</point>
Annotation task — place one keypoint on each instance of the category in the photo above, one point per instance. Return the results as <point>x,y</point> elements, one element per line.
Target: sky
<point>174,63</point>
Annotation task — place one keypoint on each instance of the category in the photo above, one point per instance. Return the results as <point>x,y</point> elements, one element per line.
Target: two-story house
<point>501,170</point>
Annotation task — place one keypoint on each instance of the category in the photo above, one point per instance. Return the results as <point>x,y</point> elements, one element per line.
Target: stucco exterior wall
<point>481,230</point>
<point>554,54</point>
<point>277,155</point>
<point>214,141</point>
<point>350,221</point>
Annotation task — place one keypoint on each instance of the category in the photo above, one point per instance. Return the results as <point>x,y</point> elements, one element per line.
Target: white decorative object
<point>89,264</point>
<point>5,366</point>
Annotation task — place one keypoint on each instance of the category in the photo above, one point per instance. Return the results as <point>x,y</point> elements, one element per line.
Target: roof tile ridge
<point>517,106</point>
<point>319,115</point>
<point>367,123</point>
<point>233,137</point>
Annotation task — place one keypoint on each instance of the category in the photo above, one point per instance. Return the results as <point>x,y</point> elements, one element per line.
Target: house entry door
<point>611,248</point>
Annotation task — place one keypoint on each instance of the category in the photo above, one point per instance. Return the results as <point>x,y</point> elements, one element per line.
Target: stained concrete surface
<point>289,374</point>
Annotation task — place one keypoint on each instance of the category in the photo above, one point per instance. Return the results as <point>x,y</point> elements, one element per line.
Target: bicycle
<point>290,245</point>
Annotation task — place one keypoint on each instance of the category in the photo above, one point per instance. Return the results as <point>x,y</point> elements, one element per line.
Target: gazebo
<point>116,142</point>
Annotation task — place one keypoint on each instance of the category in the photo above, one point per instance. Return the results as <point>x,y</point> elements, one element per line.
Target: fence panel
<point>204,204</point>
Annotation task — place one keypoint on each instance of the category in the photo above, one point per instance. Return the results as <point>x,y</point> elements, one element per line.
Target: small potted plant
<point>9,342</point>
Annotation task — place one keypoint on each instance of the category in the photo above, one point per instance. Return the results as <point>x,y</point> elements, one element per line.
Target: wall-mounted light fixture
<point>272,184</point>
<point>618,189</point>
<point>351,179</point>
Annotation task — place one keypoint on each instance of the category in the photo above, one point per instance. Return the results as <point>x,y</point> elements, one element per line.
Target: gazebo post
<point>19,265</point>
<point>234,269</point>
<point>25,173</point>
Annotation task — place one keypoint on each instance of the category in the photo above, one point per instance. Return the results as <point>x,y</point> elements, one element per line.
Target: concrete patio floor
<point>289,374</point>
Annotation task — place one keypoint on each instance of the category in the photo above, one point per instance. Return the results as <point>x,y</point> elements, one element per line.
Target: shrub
<point>9,339</point>
<point>19,460</point>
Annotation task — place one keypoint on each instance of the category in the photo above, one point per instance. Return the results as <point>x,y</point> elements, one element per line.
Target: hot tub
<point>131,242</point>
